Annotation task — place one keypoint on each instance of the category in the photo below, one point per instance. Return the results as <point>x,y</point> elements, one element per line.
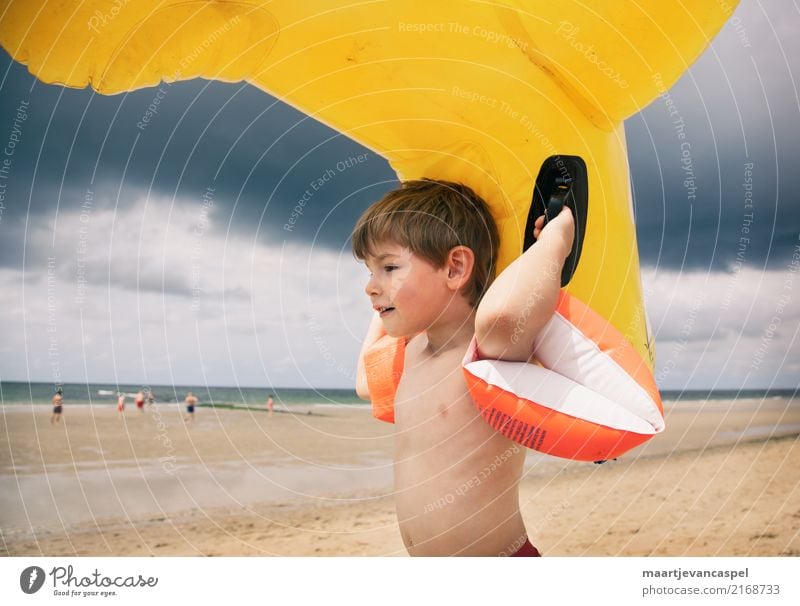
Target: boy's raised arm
<point>374,333</point>
<point>523,297</point>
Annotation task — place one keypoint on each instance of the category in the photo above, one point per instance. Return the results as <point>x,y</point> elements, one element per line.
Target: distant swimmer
<point>140,400</point>
<point>191,401</point>
<point>120,403</point>
<point>270,404</point>
<point>58,407</point>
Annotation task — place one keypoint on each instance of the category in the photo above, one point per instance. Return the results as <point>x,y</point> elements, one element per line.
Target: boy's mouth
<point>383,310</point>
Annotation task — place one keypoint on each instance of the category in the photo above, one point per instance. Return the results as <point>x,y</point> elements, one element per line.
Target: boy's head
<point>431,218</point>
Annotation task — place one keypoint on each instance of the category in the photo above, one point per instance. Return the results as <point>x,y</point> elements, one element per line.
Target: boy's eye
<point>390,267</point>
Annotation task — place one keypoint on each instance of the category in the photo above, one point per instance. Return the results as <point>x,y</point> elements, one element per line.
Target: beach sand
<point>723,480</point>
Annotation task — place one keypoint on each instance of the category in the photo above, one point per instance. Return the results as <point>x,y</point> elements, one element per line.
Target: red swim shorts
<point>527,551</point>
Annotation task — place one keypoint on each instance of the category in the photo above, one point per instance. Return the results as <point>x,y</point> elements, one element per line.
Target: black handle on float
<point>562,180</point>
<point>558,198</point>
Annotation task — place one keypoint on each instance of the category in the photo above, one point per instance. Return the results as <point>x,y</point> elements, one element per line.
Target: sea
<point>18,392</point>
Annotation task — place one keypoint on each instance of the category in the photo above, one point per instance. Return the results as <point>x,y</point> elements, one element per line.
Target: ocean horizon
<point>21,392</point>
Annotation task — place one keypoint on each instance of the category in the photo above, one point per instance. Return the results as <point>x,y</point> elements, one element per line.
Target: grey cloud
<point>738,105</point>
<point>259,154</point>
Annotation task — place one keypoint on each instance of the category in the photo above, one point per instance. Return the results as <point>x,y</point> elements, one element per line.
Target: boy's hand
<point>375,332</point>
<point>559,231</point>
<point>523,297</point>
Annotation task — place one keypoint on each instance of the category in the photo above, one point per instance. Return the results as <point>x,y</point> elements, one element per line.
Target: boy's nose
<point>371,287</point>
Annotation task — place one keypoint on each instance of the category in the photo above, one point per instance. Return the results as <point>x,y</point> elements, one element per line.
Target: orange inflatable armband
<point>594,397</point>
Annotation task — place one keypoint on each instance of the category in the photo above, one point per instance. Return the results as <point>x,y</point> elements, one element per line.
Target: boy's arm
<point>374,333</point>
<point>523,297</point>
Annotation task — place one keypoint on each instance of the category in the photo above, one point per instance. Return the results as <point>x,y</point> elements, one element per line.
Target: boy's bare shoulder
<point>422,367</point>
<point>417,360</point>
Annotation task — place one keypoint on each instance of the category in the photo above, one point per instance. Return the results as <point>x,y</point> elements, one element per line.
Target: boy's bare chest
<point>432,390</point>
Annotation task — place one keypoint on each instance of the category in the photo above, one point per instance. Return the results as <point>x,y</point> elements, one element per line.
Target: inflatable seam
<point>626,377</point>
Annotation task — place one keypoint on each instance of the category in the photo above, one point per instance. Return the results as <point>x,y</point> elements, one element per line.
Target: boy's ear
<point>460,262</point>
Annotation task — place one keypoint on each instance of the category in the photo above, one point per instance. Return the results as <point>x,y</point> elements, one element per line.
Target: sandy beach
<point>723,480</point>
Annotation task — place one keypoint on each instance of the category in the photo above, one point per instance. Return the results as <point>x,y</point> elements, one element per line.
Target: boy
<point>431,247</point>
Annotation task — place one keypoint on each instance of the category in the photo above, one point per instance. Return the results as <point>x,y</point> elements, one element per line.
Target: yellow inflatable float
<point>524,101</point>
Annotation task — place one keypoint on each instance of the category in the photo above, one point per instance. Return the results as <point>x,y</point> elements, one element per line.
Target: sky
<point>166,255</point>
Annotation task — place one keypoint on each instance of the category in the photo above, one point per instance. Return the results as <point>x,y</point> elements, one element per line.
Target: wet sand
<point>723,480</point>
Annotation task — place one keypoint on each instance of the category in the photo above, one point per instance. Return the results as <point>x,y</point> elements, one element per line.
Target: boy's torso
<point>455,477</point>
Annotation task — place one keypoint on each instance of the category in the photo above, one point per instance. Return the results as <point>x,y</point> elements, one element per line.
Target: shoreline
<point>558,516</point>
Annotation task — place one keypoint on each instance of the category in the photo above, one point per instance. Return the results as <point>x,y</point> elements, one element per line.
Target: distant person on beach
<point>151,397</point>
<point>140,401</point>
<point>58,407</point>
<point>120,403</point>
<point>191,401</point>
<point>270,403</point>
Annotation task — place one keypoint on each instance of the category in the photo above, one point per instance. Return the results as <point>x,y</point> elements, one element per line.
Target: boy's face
<point>408,291</point>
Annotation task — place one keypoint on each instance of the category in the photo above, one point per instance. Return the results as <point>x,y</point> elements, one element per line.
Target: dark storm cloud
<point>736,106</point>
<point>260,156</point>
<point>713,160</point>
